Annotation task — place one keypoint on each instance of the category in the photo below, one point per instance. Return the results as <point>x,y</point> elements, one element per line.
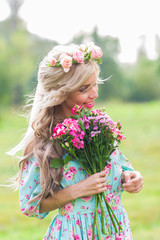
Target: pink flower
<point>96,52</point>
<point>67,217</point>
<point>22,182</point>
<point>36,164</point>
<point>108,187</point>
<point>121,137</point>
<point>78,222</point>
<point>76,237</point>
<point>89,233</point>
<point>75,110</point>
<point>81,136</point>
<point>108,199</point>
<point>78,143</point>
<point>108,238</point>
<point>114,208</point>
<point>109,166</point>
<point>31,208</point>
<point>73,170</point>
<point>119,236</point>
<point>111,195</point>
<point>59,130</point>
<point>68,175</point>
<point>27,196</point>
<point>88,198</point>
<point>117,200</point>
<point>58,226</point>
<point>68,121</point>
<point>113,153</point>
<point>52,61</point>
<point>68,207</point>
<point>66,63</point>
<point>106,170</point>
<point>99,210</point>
<point>78,56</point>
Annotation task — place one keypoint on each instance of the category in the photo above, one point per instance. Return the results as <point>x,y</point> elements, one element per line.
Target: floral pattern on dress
<point>75,218</point>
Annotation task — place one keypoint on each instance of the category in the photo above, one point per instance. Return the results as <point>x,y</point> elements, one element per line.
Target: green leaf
<point>67,159</point>
<point>57,163</point>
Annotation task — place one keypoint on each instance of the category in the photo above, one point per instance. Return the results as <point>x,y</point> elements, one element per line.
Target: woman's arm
<point>94,184</point>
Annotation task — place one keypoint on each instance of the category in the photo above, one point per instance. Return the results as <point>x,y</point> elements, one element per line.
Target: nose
<point>94,92</point>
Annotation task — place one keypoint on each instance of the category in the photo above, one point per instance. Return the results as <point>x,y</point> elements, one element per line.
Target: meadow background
<point>131,96</point>
<point>142,146</point>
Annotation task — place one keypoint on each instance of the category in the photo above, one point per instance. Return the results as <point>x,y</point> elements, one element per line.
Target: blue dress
<point>74,220</point>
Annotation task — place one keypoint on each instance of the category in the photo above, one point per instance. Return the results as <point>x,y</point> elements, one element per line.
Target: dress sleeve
<point>29,188</point>
<point>125,163</point>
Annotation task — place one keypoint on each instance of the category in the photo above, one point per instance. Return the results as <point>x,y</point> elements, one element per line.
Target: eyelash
<point>85,88</point>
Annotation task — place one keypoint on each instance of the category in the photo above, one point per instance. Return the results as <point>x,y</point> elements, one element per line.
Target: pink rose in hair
<point>52,61</point>
<point>78,56</point>
<point>96,52</point>
<point>66,63</point>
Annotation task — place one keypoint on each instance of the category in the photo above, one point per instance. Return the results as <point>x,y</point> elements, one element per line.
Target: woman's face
<point>85,96</point>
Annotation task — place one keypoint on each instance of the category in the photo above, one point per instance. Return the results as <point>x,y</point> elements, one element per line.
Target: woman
<point>68,75</point>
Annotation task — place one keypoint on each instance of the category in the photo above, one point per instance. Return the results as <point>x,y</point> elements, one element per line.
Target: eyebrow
<point>86,85</point>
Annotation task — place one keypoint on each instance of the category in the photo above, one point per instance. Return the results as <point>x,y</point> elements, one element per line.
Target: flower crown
<point>79,54</point>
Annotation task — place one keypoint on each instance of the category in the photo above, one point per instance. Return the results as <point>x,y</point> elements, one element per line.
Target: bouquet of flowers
<point>89,137</point>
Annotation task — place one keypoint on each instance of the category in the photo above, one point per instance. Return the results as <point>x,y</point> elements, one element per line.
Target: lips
<point>89,105</point>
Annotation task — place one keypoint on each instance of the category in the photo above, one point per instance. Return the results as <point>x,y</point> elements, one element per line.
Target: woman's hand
<point>132,181</point>
<point>91,185</point>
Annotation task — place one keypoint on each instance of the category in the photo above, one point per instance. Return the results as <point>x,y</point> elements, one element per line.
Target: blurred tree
<point>22,51</point>
<point>144,77</point>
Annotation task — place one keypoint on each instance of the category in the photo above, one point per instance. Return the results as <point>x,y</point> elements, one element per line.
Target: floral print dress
<point>74,220</point>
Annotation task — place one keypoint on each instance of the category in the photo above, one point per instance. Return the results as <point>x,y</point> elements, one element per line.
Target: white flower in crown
<point>66,62</point>
<point>82,47</point>
<point>89,46</point>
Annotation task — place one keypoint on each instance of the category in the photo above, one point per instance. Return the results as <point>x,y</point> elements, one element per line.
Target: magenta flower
<point>58,131</point>
<point>76,109</point>
<point>78,143</point>
<point>86,122</point>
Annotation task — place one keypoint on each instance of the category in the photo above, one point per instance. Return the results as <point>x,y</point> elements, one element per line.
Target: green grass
<point>142,147</point>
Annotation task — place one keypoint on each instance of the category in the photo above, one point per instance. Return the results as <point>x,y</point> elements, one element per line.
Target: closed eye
<point>84,88</point>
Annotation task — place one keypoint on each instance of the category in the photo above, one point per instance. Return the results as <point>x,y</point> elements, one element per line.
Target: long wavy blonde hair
<point>53,88</point>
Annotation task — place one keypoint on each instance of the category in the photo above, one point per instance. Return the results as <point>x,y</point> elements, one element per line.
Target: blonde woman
<point>68,75</point>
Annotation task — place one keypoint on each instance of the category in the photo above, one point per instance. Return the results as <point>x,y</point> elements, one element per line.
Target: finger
<point>102,173</point>
<point>136,180</point>
<point>135,174</point>
<point>127,177</point>
<point>132,188</point>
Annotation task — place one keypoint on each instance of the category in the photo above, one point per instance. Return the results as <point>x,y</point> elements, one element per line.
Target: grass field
<point>141,123</point>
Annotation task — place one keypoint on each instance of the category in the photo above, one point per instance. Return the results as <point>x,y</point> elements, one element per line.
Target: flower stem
<point>104,216</point>
<point>98,229</point>
<point>111,211</point>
